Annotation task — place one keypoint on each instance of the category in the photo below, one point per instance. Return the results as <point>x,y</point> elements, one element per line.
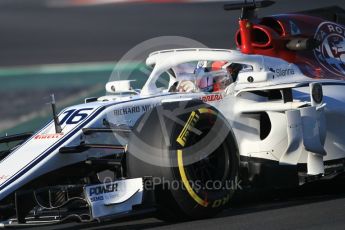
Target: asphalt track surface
<point>31,33</point>
<point>315,206</point>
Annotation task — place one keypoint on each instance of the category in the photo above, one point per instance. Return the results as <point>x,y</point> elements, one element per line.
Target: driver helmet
<point>214,78</point>
<point>204,79</point>
<point>221,78</point>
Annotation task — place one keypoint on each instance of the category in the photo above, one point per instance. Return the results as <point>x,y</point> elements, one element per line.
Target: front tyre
<point>191,152</point>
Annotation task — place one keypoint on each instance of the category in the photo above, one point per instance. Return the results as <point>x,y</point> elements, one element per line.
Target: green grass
<point>39,121</point>
<point>61,77</point>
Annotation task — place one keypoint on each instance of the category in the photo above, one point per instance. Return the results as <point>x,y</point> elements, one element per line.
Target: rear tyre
<point>191,152</point>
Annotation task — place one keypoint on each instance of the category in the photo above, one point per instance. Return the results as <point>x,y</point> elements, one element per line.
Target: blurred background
<point>69,47</point>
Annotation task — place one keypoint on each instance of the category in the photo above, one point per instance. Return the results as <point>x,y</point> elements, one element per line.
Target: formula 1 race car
<point>206,124</point>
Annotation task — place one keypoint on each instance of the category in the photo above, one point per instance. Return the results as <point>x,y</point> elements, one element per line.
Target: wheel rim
<point>213,168</point>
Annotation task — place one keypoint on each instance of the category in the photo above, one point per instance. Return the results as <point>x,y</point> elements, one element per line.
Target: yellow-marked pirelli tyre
<point>191,153</point>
